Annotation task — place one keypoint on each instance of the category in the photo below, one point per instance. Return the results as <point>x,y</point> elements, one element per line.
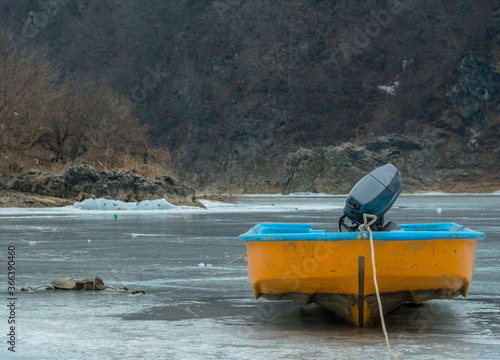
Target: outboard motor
<point>374,194</point>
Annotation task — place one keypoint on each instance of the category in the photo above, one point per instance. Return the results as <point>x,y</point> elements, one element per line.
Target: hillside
<point>235,88</point>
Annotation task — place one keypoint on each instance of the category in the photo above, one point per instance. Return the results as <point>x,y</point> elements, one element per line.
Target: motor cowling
<point>374,194</point>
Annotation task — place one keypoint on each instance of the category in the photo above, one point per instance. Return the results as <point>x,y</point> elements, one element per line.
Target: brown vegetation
<point>231,87</point>
<point>49,122</point>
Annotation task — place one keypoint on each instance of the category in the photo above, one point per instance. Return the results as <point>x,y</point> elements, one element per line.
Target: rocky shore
<point>41,189</point>
<point>428,161</point>
<point>331,169</point>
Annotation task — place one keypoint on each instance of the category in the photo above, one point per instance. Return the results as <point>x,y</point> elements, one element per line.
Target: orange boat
<point>413,263</point>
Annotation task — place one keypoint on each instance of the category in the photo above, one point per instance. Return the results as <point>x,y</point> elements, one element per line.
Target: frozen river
<point>160,251</point>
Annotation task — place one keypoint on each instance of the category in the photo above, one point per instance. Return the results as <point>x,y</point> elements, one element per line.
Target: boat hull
<point>338,274</point>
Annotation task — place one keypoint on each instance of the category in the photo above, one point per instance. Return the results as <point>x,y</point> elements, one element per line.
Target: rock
<point>469,107</point>
<point>63,284</point>
<point>336,169</point>
<point>95,284</point>
<point>81,175</point>
<point>452,123</point>
<point>476,78</point>
<point>431,160</point>
<point>391,141</point>
<point>31,182</point>
<point>4,180</point>
<point>9,198</point>
<point>83,182</point>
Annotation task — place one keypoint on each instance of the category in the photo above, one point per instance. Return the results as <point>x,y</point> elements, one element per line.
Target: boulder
<point>476,79</point>
<point>336,169</point>
<point>95,284</point>
<point>63,284</point>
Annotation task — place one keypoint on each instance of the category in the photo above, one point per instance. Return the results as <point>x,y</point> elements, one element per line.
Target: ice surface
<point>308,193</point>
<point>159,251</point>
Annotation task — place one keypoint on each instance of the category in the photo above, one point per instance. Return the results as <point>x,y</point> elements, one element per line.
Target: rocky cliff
<point>460,152</point>
<point>235,88</point>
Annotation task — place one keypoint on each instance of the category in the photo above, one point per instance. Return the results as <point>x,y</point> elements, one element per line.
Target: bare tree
<point>29,91</point>
<point>42,115</point>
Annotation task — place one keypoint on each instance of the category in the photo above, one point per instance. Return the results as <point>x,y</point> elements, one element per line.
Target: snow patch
<point>406,63</point>
<point>114,205</point>
<point>389,90</point>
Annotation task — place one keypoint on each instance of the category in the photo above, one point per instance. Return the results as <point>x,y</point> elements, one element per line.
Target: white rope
<point>366,227</point>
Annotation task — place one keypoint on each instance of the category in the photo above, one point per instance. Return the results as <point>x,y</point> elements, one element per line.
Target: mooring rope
<point>366,227</point>
<point>48,287</point>
<point>126,289</point>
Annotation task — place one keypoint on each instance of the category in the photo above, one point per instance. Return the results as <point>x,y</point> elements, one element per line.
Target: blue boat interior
<point>304,232</point>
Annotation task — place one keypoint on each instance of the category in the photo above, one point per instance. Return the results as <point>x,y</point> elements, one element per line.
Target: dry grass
<point>14,165</point>
<point>479,186</point>
<point>151,170</point>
